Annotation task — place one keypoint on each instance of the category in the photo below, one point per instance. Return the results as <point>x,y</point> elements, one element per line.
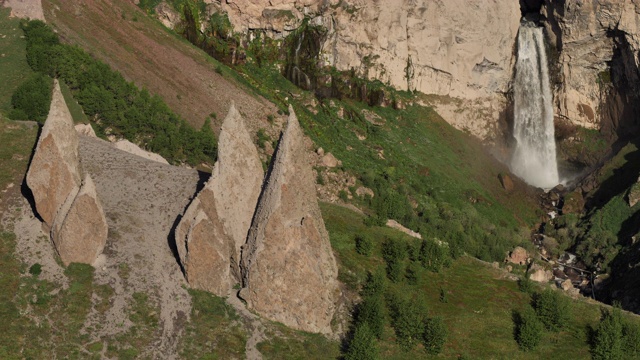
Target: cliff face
<point>456,48</point>
<point>596,44</point>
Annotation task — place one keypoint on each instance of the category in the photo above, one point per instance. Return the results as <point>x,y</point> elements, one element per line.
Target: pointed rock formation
<point>288,269</point>
<point>215,225</point>
<point>73,214</point>
<point>54,172</point>
<point>80,228</point>
<point>203,246</point>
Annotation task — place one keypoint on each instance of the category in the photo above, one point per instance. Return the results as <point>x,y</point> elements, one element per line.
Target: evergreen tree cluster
<point>381,305</point>
<point>550,310</point>
<point>111,101</point>
<point>615,338</point>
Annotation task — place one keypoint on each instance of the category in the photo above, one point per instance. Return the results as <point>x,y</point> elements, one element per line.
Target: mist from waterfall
<point>534,159</point>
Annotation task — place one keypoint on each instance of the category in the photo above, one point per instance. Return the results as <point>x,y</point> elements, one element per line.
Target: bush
<point>363,345</point>
<point>364,245</point>
<point>528,329</point>
<point>434,336</point>
<point>552,309</point>
<point>35,269</point>
<point>32,99</point>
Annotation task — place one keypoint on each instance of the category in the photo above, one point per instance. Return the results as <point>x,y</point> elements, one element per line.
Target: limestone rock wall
<point>455,48</point>
<point>288,269</point>
<point>215,225</point>
<point>70,208</point>
<point>596,46</point>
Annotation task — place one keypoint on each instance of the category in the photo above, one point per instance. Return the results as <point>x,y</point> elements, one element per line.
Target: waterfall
<point>534,159</point>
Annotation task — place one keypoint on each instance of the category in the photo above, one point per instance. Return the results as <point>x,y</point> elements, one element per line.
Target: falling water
<point>534,159</point>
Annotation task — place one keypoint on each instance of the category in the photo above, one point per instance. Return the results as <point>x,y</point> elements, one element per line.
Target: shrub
<point>552,309</point>
<point>363,345</point>
<point>528,329</point>
<point>32,99</point>
<point>434,336</point>
<point>35,269</point>
<point>364,245</point>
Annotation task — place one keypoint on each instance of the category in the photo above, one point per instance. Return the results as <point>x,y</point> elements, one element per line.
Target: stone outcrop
<point>215,225</point>
<point>54,173</point>
<point>519,256</point>
<point>31,9</point>
<point>79,231</point>
<point>288,269</point>
<point>69,208</point>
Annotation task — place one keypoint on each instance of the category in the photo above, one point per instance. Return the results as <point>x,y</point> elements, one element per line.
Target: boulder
<point>288,269</point>
<point>330,161</point>
<point>85,129</point>
<point>128,146</point>
<point>518,256</point>
<point>633,195</point>
<point>506,182</point>
<point>540,274</point>
<point>54,172</point>
<point>215,225</point>
<point>203,246</point>
<point>80,229</point>
<point>396,225</point>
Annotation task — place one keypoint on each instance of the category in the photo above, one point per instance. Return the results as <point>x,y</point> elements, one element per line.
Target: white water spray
<point>534,159</point>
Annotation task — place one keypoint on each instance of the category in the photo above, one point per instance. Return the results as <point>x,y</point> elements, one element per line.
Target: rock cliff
<point>69,208</point>
<point>214,227</point>
<point>288,270</point>
<point>430,46</point>
<point>596,46</point>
